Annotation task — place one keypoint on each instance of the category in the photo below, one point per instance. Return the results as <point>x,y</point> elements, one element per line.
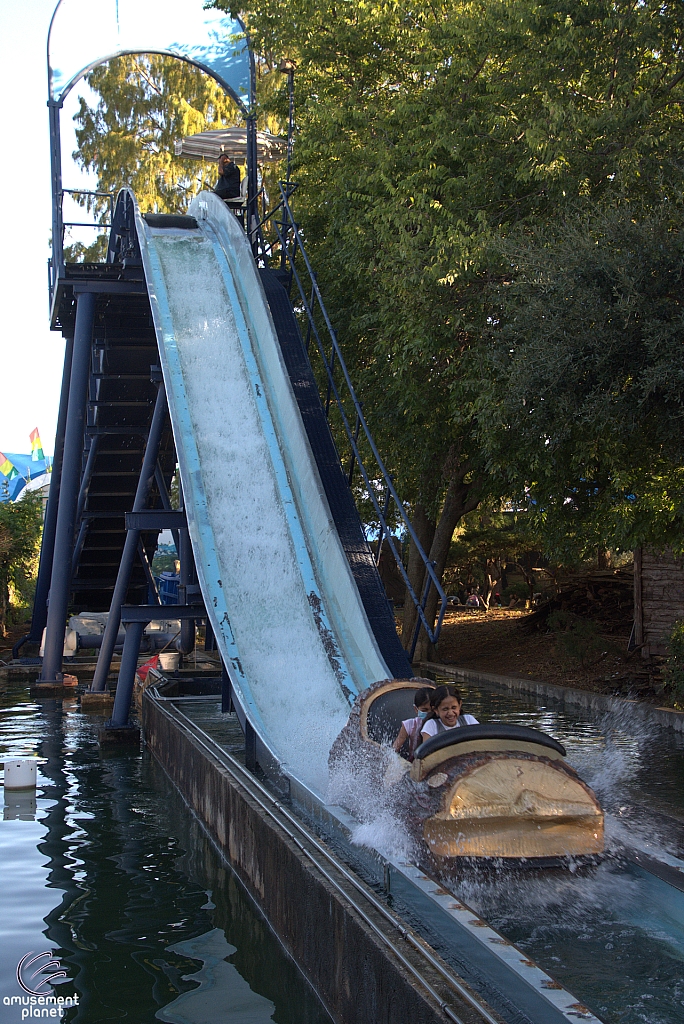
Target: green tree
<point>582,407</point>
<point>20,530</point>
<point>426,134</point>
<point>145,103</point>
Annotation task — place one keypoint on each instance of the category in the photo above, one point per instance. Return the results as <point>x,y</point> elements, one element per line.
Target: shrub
<point>674,666</point>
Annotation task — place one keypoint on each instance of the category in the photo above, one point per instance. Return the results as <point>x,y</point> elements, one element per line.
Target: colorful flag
<point>36,446</point>
<point>8,468</point>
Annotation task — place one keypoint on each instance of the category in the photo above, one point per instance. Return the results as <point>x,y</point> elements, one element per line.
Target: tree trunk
<point>603,558</point>
<point>461,498</point>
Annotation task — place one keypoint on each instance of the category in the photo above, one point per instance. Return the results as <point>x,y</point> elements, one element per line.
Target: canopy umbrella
<point>232,142</point>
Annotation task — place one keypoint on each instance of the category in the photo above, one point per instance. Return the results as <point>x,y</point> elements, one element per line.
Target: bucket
<point>169,661</point>
<point>20,774</point>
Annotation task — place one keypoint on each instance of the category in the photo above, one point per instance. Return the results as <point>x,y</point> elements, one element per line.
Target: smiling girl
<point>446,714</point>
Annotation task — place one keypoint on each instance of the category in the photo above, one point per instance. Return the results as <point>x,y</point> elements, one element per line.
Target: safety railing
<point>378,482</point>
<point>55,264</point>
<point>87,224</point>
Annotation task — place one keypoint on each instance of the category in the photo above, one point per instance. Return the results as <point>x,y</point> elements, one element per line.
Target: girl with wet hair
<point>446,704</point>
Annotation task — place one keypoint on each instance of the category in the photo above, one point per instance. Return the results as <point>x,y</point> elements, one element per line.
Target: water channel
<point>114,876</point>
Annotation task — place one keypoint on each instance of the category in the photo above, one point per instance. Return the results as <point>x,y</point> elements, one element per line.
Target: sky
<point>31,356</point>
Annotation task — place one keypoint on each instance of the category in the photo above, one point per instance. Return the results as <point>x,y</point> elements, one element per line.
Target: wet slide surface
<point>286,612</point>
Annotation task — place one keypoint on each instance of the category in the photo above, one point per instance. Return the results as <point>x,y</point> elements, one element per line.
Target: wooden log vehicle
<point>478,791</point>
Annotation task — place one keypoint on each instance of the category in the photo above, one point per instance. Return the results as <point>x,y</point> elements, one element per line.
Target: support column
<point>47,547</point>
<point>124,686</point>
<point>227,707</point>
<point>251,762</point>
<point>131,544</point>
<point>60,577</point>
<point>187,591</point>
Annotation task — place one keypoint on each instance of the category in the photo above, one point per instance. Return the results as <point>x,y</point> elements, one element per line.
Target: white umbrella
<point>232,142</point>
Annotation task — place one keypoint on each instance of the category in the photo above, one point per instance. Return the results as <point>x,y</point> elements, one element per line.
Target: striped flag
<point>8,468</point>
<point>36,446</point>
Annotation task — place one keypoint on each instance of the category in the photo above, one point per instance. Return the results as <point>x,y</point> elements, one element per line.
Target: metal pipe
<point>47,548</point>
<point>129,663</point>
<point>60,577</point>
<point>131,544</point>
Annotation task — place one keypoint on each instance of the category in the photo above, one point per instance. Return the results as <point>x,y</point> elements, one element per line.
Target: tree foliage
<point>20,530</point>
<point>145,103</point>
<point>583,406</point>
<point>430,134</point>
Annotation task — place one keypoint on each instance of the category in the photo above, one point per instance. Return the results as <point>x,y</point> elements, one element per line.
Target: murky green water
<point>116,879</point>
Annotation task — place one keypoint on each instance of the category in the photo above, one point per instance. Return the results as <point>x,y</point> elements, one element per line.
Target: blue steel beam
<point>60,577</point>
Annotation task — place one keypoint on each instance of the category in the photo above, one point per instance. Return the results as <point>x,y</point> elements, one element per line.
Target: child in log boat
<point>446,704</point>
<point>411,728</point>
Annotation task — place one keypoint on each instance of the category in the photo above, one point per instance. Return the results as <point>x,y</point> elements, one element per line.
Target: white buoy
<point>20,773</point>
<point>169,661</point>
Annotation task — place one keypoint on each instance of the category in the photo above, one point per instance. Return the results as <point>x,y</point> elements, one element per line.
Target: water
<point>118,881</point>
<point>613,935</point>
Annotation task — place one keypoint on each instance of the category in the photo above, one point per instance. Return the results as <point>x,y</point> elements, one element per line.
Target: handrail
<point>288,231</point>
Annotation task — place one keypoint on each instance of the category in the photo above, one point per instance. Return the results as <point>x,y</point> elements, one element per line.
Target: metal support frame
<point>292,246</point>
<point>130,550</point>
<point>60,577</point>
<point>47,548</point>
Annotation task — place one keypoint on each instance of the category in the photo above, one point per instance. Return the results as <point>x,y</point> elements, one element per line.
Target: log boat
<point>479,791</point>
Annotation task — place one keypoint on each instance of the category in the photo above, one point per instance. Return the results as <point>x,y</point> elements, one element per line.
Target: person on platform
<point>446,714</point>
<point>410,729</point>
<point>228,185</point>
